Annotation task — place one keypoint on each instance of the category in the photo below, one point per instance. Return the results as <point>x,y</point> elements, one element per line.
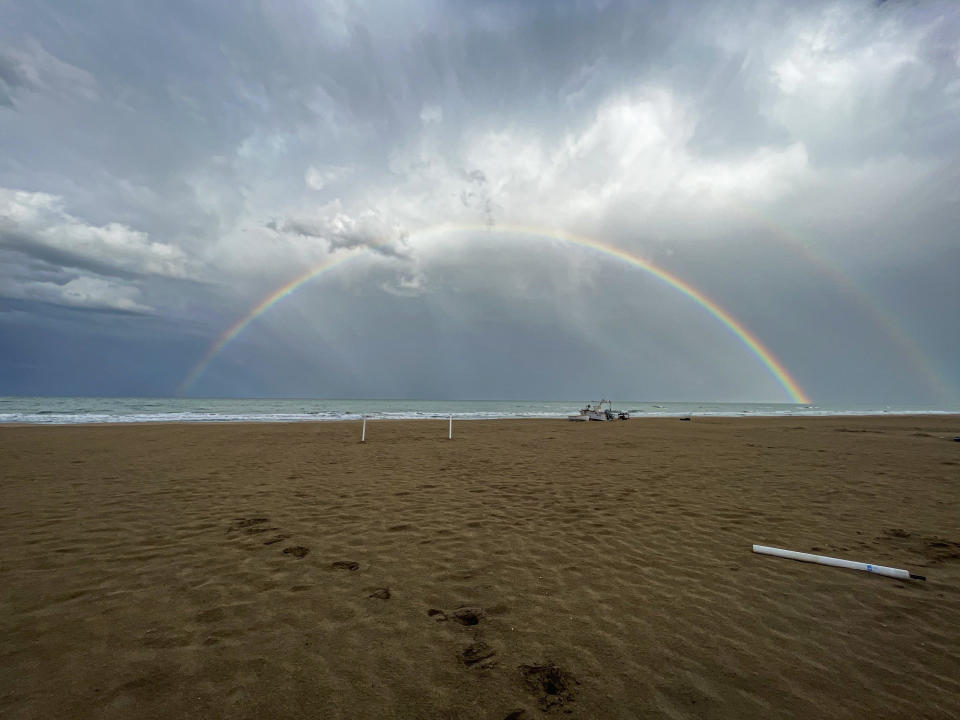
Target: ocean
<point>72,411</point>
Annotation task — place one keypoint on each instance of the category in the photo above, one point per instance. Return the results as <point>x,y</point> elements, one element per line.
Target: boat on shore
<point>598,413</point>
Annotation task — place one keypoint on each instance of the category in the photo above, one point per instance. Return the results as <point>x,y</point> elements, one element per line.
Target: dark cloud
<point>52,257</point>
<point>30,68</point>
<point>796,162</point>
<point>11,78</point>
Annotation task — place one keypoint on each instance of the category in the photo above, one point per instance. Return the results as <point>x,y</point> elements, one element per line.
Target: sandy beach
<point>526,569</point>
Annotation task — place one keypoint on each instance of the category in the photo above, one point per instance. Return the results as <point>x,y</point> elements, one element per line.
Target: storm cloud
<point>795,163</point>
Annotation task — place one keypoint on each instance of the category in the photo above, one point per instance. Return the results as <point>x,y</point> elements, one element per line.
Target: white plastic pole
<point>363,433</point>
<point>837,562</point>
<point>450,434</point>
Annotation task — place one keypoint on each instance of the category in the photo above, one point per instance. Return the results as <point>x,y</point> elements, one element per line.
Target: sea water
<point>69,411</point>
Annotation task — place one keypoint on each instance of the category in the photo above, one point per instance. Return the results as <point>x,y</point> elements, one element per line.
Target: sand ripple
<point>526,569</point>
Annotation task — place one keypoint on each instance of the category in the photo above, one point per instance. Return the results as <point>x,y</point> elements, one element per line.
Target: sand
<point>527,569</point>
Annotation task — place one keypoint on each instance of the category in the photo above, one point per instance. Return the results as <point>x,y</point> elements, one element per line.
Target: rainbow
<point>753,344</point>
<point>935,380</point>
<point>255,312</point>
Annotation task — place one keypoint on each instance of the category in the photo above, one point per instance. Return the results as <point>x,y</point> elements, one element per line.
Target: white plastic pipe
<point>363,433</point>
<point>837,562</point>
<point>450,434</point>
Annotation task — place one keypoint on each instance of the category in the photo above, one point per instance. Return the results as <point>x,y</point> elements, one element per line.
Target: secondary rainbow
<point>753,343</point>
<point>936,380</point>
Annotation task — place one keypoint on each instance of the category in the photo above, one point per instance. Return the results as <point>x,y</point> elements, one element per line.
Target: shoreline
<point>444,418</point>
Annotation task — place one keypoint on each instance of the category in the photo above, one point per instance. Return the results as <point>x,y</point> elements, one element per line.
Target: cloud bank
<point>797,163</point>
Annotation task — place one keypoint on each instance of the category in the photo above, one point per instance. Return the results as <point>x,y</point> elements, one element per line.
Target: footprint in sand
<point>258,526</point>
<point>249,525</point>
<point>259,529</point>
<point>463,615</point>
<point>897,532</point>
<point>552,686</point>
<point>255,526</point>
<point>938,550</point>
<point>479,654</point>
<point>934,550</point>
<point>468,615</point>
<point>380,594</point>
<point>346,565</point>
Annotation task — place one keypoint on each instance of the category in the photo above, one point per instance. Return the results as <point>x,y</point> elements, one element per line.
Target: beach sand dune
<point>526,569</point>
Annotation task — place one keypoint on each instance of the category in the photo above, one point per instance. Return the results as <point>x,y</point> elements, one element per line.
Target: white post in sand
<point>363,433</point>
<point>837,562</point>
<point>450,434</point>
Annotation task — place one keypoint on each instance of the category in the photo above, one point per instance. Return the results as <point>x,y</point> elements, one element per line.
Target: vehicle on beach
<point>597,412</point>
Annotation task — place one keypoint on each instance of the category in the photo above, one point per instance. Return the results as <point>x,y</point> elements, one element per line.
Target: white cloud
<point>635,152</point>
<point>318,178</point>
<point>408,284</point>
<point>36,224</point>
<point>761,176</point>
<point>84,292</point>
<point>431,114</point>
<point>846,72</point>
<point>343,230</point>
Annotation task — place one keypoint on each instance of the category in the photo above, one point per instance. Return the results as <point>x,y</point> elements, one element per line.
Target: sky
<point>685,201</point>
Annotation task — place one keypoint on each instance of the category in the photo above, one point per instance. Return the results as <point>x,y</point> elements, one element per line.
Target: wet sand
<point>527,569</point>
